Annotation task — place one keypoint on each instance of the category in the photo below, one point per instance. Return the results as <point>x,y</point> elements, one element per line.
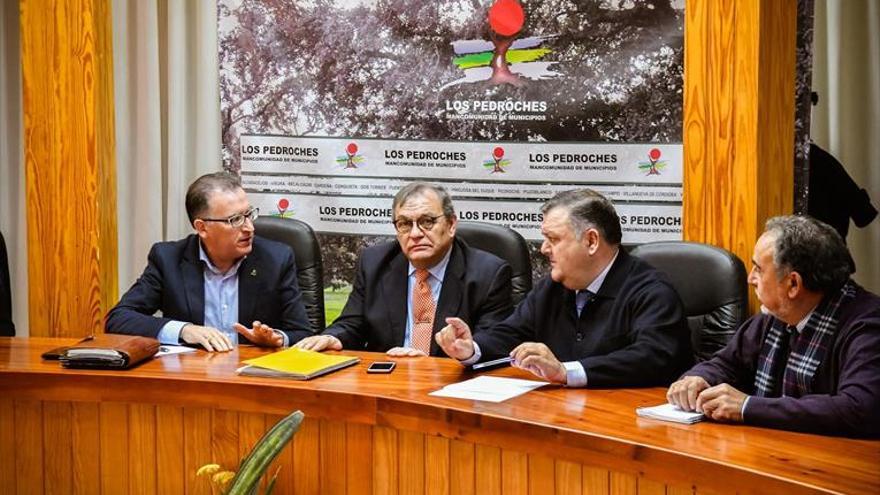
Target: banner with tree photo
<point>330,106</point>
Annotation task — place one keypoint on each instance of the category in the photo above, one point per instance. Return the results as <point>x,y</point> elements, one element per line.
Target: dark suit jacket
<point>633,333</point>
<point>7,328</point>
<point>174,284</point>
<point>476,288</point>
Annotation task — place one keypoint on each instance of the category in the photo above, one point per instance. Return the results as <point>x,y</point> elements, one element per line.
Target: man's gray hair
<point>813,249</point>
<point>200,191</point>
<point>588,209</point>
<point>419,188</point>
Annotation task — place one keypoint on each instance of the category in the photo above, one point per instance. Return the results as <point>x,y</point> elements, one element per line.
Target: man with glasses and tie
<point>405,289</point>
<point>811,360</point>
<point>218,283</point>
<point>602,318</point>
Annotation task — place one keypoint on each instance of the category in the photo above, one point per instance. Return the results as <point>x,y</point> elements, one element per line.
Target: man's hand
<point>208,337</point>
<point>261,334</point>
<point>539,360</point>
<point>404,352</point>
<point>722,403</point>
<point>455,339</point>
<point>319,343</point>
<point>684,392</point>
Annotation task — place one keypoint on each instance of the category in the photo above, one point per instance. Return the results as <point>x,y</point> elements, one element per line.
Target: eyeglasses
<point>237,220</point>
<point>405,225</point>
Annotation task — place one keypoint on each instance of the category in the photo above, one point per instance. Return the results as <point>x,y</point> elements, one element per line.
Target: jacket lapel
<point>394,287</point>
<point>451,293</point>
<point>194,281</point>
<point>249,276</point>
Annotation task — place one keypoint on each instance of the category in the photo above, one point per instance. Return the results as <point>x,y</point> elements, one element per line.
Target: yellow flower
<point>208,469</point>
<point>223,478</point>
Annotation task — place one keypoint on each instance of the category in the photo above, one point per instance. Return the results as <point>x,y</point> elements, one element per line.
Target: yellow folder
<point>296,363</point>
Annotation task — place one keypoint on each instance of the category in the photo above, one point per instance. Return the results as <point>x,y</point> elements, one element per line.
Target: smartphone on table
<point>381,367</point>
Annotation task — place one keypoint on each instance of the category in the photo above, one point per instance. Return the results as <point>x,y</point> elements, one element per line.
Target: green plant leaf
<point>263,453</point>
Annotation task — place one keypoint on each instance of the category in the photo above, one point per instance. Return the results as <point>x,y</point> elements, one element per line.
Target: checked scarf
<point>807,349</point>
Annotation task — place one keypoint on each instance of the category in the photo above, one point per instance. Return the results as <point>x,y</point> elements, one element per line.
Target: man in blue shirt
<point>207,283</point>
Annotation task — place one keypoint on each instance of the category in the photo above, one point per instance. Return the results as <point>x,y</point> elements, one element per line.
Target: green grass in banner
<point>334,301</point>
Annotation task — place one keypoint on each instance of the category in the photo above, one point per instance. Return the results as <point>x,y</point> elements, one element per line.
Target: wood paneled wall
<point>738,119</point>
<point>92,448</point>
<point>69,150</point>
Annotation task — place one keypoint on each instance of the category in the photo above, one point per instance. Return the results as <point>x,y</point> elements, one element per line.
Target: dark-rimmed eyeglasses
<point>405,225</point>
<point>237,220</point>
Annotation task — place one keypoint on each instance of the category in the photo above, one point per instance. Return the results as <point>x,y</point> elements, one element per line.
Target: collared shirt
<point>435,281</point>
<point>221,301</point>
<point>575,374</point>
<point>798,328</point>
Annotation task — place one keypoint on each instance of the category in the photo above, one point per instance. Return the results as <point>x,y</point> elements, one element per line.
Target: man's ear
<point>796,284</point>
<point>591,240</point>
<point>201,227</point>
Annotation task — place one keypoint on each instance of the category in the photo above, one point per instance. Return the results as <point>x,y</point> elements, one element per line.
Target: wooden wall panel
<point>514,473</point>
<point>623,484</point>
<point>69,147</point>
<point>196,448</point>
<point>86,437</point>
<point>488,476</point>
<point>58,449</point>
<point>224,438</point>
<point>332,457</point>
<point>462,476</point>
<point>542,475</point>
<point>437,465</point>
<point>142,470</point>
<point>306,445</point>
<point>28,447</point>
<point>738,127</point>
<point>384,461</point>
<point>411,461</point>
<point>359,458</point>
<point>596,480</point>
<point>568,478</point>
<point>7,442</point>
<point>170,449</point>
<point>114,447</point>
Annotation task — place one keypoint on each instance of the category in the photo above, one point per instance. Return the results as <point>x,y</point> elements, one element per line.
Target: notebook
<point>668,412</point>
<point>297,364</point>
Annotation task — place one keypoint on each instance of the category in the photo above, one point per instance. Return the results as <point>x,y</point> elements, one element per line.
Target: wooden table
<point>147,430</point>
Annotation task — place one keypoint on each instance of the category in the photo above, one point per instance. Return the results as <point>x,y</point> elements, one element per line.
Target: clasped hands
<point>720,403</point>
<point>456,340</point>
<point>214,340</point>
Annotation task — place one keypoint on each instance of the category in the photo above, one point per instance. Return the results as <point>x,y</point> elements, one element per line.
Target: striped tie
<point>423,312</point>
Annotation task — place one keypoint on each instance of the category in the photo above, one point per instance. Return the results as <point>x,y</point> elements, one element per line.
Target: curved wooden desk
<point>147,430</point>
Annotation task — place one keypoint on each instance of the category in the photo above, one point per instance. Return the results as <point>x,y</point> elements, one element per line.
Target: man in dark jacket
<point>600,319</point>
<point>405,289</point>
<point>810,361</point>
<point>207,284</point>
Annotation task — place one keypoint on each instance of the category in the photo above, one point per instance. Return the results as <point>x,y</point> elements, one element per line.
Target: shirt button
<point>579,337</point>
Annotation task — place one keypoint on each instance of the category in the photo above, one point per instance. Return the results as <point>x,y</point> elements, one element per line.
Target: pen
<point>504,360</point>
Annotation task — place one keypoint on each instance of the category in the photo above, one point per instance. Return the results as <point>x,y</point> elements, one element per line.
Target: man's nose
<point>545,248</point>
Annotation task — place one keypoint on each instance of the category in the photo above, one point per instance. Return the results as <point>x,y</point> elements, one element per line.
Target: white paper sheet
<point>488,388</point>
<point>668,412</point>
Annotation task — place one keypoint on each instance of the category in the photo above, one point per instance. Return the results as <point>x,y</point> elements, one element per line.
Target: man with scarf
<point>811,361</point>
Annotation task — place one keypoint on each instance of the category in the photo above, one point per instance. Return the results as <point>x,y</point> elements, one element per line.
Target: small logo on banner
<point>351,159</point>
<point>504,59</point>
<point>283,205</point>
<point>654,164</point>
<point>498,162</point>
